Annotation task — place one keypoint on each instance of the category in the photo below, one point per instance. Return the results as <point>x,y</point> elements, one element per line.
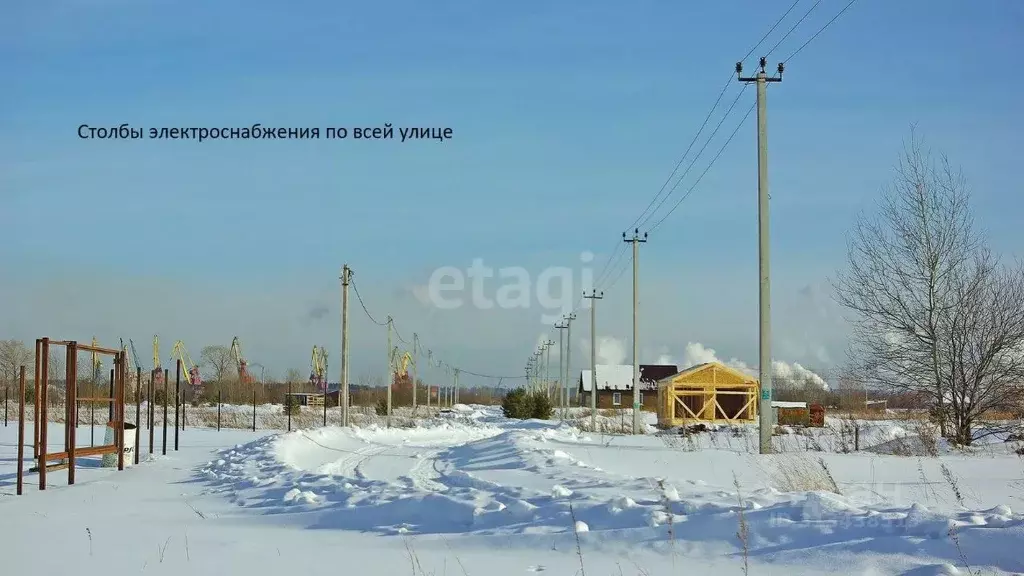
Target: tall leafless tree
<point>294,376</point>
<point>220,362</point>
<point>13,355</point>
<point>933,311</point>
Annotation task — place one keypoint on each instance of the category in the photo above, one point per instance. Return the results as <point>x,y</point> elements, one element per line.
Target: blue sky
<point>567,119</point>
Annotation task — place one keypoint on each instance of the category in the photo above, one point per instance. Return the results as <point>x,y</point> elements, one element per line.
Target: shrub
<point>382,407</point>
<point>291,405</point>
<point>523,405</point>
<point>540,406</point>
<point>516,404</point>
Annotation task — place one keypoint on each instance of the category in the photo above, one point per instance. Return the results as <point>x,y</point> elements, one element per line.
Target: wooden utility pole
<point>346,279</point>
<point>764,367</point>
<point>636,240</point>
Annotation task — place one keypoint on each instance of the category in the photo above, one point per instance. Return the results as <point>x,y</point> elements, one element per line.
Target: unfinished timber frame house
<point>710,393</point>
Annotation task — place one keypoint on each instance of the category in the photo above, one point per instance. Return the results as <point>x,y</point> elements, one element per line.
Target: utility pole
<point>415,347</point>
<point>391,369</point>
<point>568,355</point>
<point>538,372</point>
<point>449,392</point>
<point>430,364</point>
<point>593,297</point>
<point>538,375</point>
<point>456,386</point>
<point>561,366</point>
<point>531,385</point>
<point>764,367</point>
<point>635,240</point>
<point>346,278</point>
<point>547,367</point>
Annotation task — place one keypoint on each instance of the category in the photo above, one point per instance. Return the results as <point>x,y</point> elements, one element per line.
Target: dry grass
<point>1001,415</point>
<point>743,533</point>
<point>802,473</point>
<point>876,415</point>
<point>576,533</point>
<point>241,417</point>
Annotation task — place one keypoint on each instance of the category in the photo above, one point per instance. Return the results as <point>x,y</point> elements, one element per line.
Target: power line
<point>714,107</point>
<point>827,24</point>
<point>683,157</point>
<point>440,363</point>
<point>704,147</point>
<point>777,44</point>
<point>768,33</point>
<point>610,264</point>
<point>622,270</point>
<point>701,177</point>
<point>363,305</point>
<point>790,31</point>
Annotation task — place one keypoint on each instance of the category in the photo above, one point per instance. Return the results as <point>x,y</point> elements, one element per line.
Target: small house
<point>615,385</point>
<point>304,399</point>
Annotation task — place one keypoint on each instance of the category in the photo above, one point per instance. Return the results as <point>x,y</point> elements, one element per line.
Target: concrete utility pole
<point>456,386</point>
<point>430,364</point>
<point>346,279</point>
<point>391,370</point>
<point>764,367</point>
<point>547,367</point>
<point>449,390</point>
<point>538,378</point>
<point>561,366</point>
<point>593,297</point>
<point>635,240</point>
<point>415,347</point>
<point>568,355</point>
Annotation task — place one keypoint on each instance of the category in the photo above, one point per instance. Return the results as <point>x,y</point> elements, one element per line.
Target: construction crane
<point>129,371</point>
<point>158,377</point>
<point>97,364</point>
<point>192,376</point>
<point>243,366</point>
<point>135,355</point>
<point>135,360</point>
<point>318,368</point>
<point>401,376</point>
<point>406,359</point>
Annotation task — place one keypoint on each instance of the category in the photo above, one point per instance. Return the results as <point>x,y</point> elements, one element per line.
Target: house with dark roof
<point>615,385</point>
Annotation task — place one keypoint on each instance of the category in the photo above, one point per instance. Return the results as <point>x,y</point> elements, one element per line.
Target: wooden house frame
<point>710,393</point>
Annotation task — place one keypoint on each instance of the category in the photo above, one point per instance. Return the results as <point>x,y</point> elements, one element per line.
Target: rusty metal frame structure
<point>66,459</point>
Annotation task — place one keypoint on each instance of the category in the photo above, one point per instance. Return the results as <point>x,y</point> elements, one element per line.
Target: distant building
<point>615,385</point>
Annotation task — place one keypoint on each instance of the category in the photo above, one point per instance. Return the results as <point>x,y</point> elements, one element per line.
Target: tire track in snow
<point>421,478</point>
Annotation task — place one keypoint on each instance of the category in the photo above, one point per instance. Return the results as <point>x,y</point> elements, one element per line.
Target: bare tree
<point>13,355</point>
<point>220,362</point>
<point>920,285</point>
<point>981,352</point>
<point>293,376</point>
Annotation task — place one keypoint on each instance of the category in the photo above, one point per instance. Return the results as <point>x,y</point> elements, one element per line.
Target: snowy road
<point>504,497</point>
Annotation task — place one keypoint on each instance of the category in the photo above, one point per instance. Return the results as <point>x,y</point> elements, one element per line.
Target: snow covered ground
<point>471,493</point>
